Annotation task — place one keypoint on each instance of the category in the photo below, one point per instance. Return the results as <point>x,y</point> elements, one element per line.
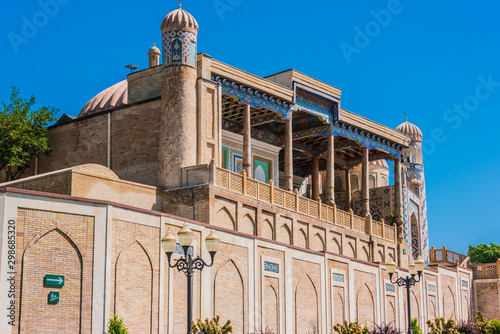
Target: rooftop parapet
<point>448,258</point>
<point>486,270</point>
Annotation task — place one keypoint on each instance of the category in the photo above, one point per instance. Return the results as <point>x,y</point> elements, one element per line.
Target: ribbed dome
<point>114,96</point>
<point>179,20</point>
<point>381,163</point>
<point>411,130</point>
<point>154,50</point>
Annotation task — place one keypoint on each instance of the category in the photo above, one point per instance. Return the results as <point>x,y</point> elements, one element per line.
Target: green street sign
<point>54,280</point>
<point>53,297</point>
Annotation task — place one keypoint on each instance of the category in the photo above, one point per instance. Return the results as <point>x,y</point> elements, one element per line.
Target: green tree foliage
<point>22,133</point>
<point>415,328</point>
<point>115,326</point>
<point>484,253</point>
<point>494,326</point>
<point>212,326</point>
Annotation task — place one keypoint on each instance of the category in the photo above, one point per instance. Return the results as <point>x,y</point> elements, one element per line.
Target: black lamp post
<point>187,264</point>
<point>416,269</point>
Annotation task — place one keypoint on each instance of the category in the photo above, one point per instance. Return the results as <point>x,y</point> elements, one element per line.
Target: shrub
<point>268,330</point>
<point>415,328</point>
<point>481,323</point>
<point>115,325</point>
<point>350,328</point>
<point>494,326</point>
<point>442,326</point>
<point>468,327</point>
<point>386,329</point>
<point>212,326</point>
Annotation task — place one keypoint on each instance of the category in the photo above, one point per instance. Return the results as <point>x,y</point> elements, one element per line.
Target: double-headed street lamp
<point>187,264</point>
<point>416,269</point>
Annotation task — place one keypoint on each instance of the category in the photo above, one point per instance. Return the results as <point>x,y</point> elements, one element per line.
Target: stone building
<point>300,191</point>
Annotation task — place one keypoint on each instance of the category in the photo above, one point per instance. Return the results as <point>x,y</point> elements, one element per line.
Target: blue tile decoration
<point>338,278</point>
<point>272,267</point>
<point>431,288</point>
<point>465,284</point>
<point>176,50</point>
<point>253,97</point>
<point>390,287</point>
<point>192,53</point>
<point>179,250</point>
<point>182,53</point>
<point>316,102</point>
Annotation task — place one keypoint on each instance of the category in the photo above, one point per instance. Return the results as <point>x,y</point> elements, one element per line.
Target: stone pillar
<point>365,206</point>
<point>315,178</point>
<point>247,142</point>
<point>178,124</point>
<point>348,193</point>
<point>398,189</point>
<point>288,185</point>
<point>330,171</point>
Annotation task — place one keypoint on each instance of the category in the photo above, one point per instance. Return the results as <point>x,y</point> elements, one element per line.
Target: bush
<point>481,323</point>
<point>415,328</point>
<point>442,326</point>
<point>268,330</point>
<point>212,326</point>
<point>494,326</point>
<point>115,326</point>
<point>468,327</point>
<point>350,328</point>
<point>386,329</point>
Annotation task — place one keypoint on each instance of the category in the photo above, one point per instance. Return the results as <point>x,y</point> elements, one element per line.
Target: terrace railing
<point>486,270</point>
<point>447,257</point>
<point>267,192</point>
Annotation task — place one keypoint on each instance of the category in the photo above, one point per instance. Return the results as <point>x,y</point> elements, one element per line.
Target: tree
<point>484,254</point>
<point>115,325</point>
<point>23,133</point>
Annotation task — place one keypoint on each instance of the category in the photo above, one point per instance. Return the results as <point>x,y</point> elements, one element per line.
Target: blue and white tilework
<point>179,250</point>
<point>272,267</point>
<point>338,278</point>
<point>431,288</point>
<point>390,287</point>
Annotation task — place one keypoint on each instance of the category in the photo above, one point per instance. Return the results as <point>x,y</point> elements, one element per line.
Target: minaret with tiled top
<point>178,130</point>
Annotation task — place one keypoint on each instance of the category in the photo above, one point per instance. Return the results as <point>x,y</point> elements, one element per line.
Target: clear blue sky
<point>423,59</point>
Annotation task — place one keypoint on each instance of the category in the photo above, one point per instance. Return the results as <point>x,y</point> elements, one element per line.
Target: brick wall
<point>307,296</point>
<point>54,243</point>
<point>488,299</point>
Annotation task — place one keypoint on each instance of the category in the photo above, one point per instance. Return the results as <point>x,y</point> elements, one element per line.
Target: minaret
<point>416,231</point>
<point>178,128</point>
<point>154,56</point>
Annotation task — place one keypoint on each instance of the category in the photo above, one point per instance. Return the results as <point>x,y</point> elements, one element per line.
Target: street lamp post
<point>187,264</point>
<point>416,269</point>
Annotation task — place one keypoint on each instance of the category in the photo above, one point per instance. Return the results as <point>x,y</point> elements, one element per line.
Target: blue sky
<point>436,61</point>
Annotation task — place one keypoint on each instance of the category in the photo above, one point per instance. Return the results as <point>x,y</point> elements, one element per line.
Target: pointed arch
<point>449,304</point>
<point>415,307</point>
<point>306,304</point>
<point>365,306</point>
<point>354,182</point>
<point>285,235</point>
<point>247,225</point>
<point>271,306</point>
<point>337,247</point>
<point>267,229</point>
<point>415,236</point>
<point>365,254</point>
<point>225,219</point>
<point>134,301</point>
<point>301,239</point>
<point>229,295</point>
<point>50,252</point>
<point>318,243</point>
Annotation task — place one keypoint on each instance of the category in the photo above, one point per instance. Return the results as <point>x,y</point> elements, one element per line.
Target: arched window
<point>354,182</point>
<point>384,181</point>
<point>177,50</point>
<point>371,182</point>
<point>338,183</point>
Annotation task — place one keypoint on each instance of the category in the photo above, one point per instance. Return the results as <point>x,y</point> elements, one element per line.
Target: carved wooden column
<point>330,171</point>
<point>348,193</point>
<point>288,156</point>
<point>398,189</point>
<point>247,142</point>
<point>365,206</point>
<point>315,178</point>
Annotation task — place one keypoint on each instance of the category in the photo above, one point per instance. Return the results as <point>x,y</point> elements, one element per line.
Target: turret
<point>178,129</point>
<point>154,56</point>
